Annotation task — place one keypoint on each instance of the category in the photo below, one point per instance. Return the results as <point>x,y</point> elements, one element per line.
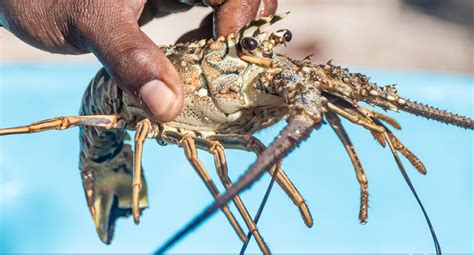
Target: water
<point>43,208</point>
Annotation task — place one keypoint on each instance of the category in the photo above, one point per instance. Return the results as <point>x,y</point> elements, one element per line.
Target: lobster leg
<point>187,142</point>
<point>336,125</point>
<point>370,119</point>
<point>251,143</point>
<point>61,123</point>
<point>364,117</point>
<point>414,160</point>
<point>398,145</point>
<point>381,116</point>
<point>356,119</point>
<point>142,129</point>
<point>299,128</point>
<point>221,166</point>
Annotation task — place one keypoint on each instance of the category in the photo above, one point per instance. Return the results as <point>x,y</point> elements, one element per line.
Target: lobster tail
<point>433,113</point>
<point>106,160</point>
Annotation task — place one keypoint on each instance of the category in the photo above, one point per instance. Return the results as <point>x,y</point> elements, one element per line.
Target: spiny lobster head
<point>337,85</point>
<point>309,88</point>
<point>318,87</point>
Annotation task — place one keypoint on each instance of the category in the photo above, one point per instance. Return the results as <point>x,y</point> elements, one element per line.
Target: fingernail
<point>158,98</point>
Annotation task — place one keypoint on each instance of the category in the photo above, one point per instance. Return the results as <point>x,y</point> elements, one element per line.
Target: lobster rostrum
<point>234,86</point>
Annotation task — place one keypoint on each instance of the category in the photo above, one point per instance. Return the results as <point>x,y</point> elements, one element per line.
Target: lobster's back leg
<point>252,144</point>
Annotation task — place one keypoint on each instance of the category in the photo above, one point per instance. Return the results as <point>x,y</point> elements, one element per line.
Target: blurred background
<point>409,35</point>
<point>424,46</point>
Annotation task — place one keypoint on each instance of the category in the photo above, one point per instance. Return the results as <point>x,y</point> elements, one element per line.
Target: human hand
<point>110,30</point>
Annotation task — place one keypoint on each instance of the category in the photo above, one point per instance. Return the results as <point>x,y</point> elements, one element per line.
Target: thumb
<point>139,67</point>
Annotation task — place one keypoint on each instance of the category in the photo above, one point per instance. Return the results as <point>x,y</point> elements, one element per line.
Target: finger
<point>268,7</point>
<point>231,15</point>
<point>138,66</point>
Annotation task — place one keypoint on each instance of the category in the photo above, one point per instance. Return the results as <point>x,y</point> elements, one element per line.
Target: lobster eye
<point>249,43</point>
<point>287,35</point>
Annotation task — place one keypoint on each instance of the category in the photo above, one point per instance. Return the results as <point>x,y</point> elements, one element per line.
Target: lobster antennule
<point>433,113</point>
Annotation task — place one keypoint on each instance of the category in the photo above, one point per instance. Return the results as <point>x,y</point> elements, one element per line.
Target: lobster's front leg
<point>186,141</point>
<point>189,142</point>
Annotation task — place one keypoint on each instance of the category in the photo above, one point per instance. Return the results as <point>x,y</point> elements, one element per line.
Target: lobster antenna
<point>260,210</point>
<point>412,188</point>
<point>433,113</point>
<point>298,130</point>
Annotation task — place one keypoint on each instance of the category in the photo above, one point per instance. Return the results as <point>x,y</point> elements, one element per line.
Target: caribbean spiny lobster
<point>234,87</point>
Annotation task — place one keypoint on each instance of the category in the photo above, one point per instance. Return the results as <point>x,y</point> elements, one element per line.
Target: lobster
<point>234,87</point>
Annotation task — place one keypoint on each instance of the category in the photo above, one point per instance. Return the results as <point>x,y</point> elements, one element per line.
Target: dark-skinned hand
<point>110,30</point>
